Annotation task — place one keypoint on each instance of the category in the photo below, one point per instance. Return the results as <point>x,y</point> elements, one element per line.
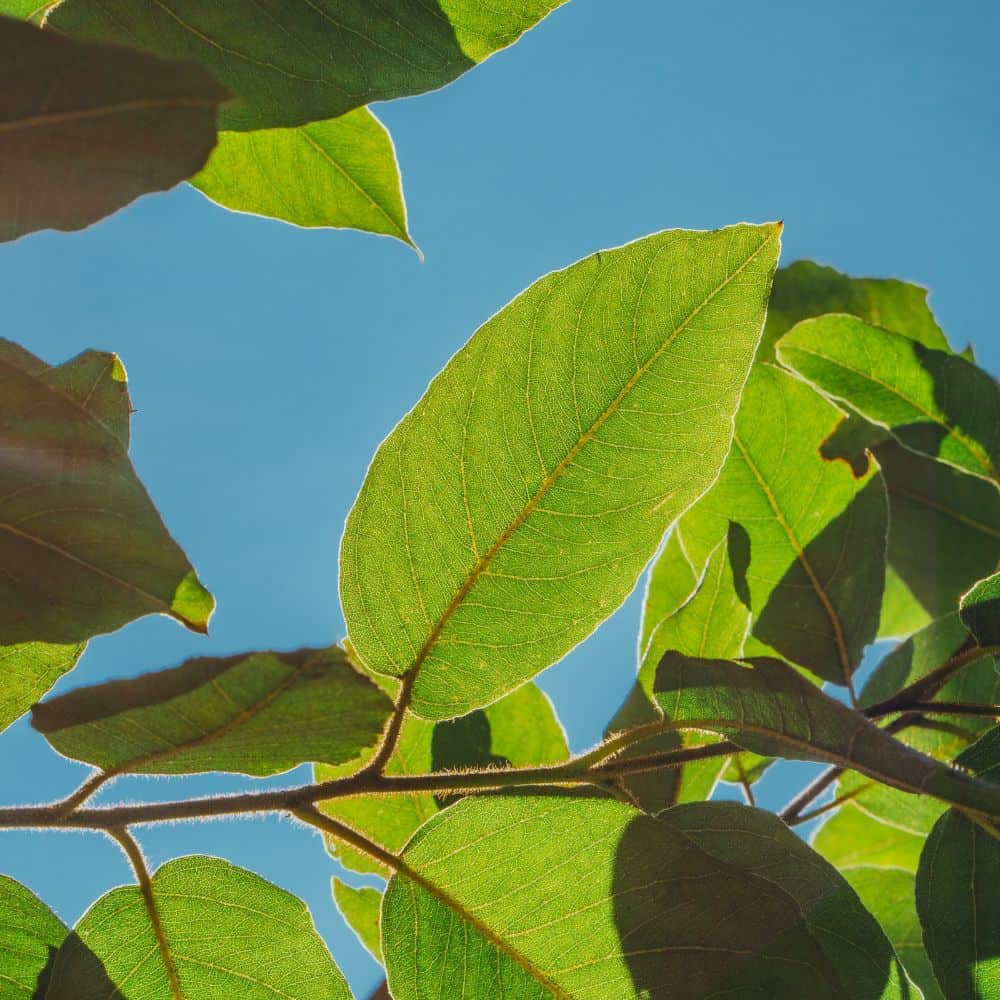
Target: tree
<point>775,445</point>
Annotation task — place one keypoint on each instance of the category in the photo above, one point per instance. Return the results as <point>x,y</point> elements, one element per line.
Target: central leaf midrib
<point>551,478</point>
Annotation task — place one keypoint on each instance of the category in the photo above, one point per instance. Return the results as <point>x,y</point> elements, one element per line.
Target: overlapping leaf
<point>83,549</point>
<point>340,173</point>
<point>816,533</point>
<point>514,508</point>
<point>935,403</point>
<point>258,713</point>
<point>227,933</point>
<point>556,896</point>
<point>87,128</point>
<point>291,62</point>
<point>981,611</point>
<point>853,839</point>
<point>30,935</point>
<point>28,671</point>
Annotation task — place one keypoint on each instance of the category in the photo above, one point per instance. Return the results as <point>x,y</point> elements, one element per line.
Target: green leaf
<point>360,908</point>
<point>87,128</point>
<point>30,935</point>
<point>292,63</point>
<point>816,533</point>
<point>981,611</point>
<point>340,173</point>
<point>227,931</point>
<point>957,896</point>
<point>671,582</point>
<point>26,10</point>
<point>887,893</point>
<point>29,670</point>
<point>257,713</point>
<point>935,403</point>
<point>535,896</point>
<point>521,730</point>
<point>765,706</point>
<point>804,289</point>
<point>491,536</point>
<point>851,839</point>
<point>90,551</point>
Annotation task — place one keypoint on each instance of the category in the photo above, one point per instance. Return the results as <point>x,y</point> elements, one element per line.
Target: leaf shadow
<point>87,979</point>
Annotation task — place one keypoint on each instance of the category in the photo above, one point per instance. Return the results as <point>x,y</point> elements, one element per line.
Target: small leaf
<point>803,290</point>
<point>514,508</point>
<point>816,534</point>
<point>30,935</point>
<point>672,580</point>
<point>981,611</point>
<point>257,713</point>
<point>521,730</point>
<point>292,63</point>
<point>957,896</point>
<point>29,670</point>
<point>340,173</point>
<point>852,839</point>
<point>85,549</point>
<point>765,706</point>
<point>360,908</point>
<point>561,896</point>
<point>87,128</point>
<point>935,403</point>
<point>229,934</point>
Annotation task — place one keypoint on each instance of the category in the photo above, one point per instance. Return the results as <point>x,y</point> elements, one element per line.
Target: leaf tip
<point>193,604</point>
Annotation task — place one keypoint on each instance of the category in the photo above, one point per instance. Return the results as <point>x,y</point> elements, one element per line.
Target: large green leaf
<point>229,934</point>
<point>535,896</point>
<point>360,906</point>
<point>957,896</point>
<point>83,548</point>
<point>766,706</point>
<point>520,730</point>
<point>935,403</point>
<point>853,839</point>
<point>981,611</point>
<point>514,508</point>
<point>804,289</point>
<point>87,128</point>
<point>257,713</point>
<point>340,173</point>
<point>30,935</point>
<point>296,61</point>
<point>816,533</point>
<point>29,670</point>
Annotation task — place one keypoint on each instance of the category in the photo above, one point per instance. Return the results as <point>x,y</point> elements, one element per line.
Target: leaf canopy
<point>490,537</point>
<point>339,173</point>
<point>88,128</point>
<point>227,931</point>
<point>257,713</point>
<point>29,670</point>
<point>291,62</point>
<point>560,896</point>
<point>30,935</point>
<point>85,549</point>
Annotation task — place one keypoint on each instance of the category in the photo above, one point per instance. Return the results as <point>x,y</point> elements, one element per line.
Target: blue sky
<point>266,363</point>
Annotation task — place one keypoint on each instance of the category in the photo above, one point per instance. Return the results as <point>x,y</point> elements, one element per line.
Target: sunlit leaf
<point>28,671</point>
<point>852,839</point>
<point>556,896</point>
<point>360,908</point>
<point>228,934</point>
<point>292,63</point>
<point>340,173</point>
<point>87,128</point>
<point>83,548</point>
<point>514,508</point>
<point>981,611</point>
<point>935,403</point>
<point>30,935</point>
<point>256,713</point>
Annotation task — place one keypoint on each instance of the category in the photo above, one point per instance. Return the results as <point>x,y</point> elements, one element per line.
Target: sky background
<point>266,363</point>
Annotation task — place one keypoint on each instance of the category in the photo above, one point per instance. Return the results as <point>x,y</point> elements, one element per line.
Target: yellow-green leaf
<point>30,935</point>
<point>29,670</point>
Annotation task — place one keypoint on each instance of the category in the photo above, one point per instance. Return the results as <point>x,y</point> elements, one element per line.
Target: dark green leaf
<point>83,547</point>
<point>30,935</point>
<point>360,908</point>
<point>87,128</point>
<point>981,611</point>
<point>488,538</point>
<point>935,403</point>
<point>258,713</point>
<point>291,62</point>
<point>29,670</point>
<point>228,933</point>
<point>535,896</point>
<point>340,173</point>
<point>815,533</point>
<point>765,706</point>
<point>957,896</point>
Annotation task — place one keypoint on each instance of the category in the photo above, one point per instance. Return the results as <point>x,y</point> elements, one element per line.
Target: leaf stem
<point>391,737</point>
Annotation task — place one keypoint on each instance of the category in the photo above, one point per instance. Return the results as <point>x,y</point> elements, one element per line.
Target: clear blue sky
<point>266,363</point>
